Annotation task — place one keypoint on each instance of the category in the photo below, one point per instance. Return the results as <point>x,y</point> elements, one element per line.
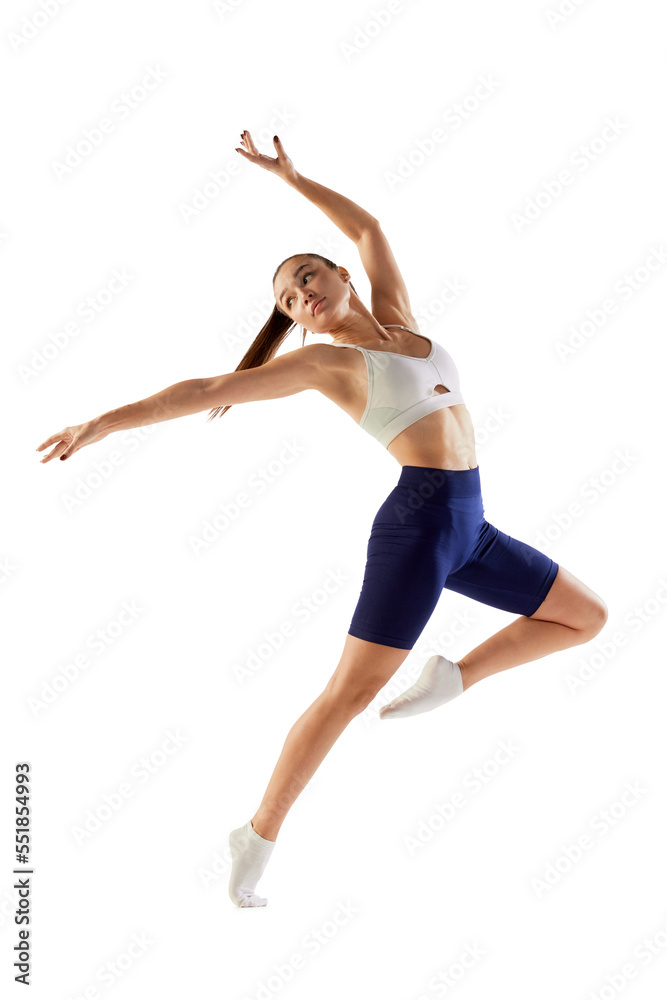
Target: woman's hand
<point>71,439</point>
<point>281,165</point>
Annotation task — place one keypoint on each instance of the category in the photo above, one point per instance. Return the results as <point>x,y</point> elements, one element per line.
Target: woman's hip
<point>431,498</point>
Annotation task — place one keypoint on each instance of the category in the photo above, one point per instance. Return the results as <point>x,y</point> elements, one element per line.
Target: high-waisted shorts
<point>429,534</point>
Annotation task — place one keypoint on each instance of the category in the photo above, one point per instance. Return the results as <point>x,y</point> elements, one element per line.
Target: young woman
<point>430,533</point>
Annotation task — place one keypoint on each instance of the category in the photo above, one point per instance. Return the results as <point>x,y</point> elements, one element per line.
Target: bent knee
<point>596,618</point>
<point>350,700</point>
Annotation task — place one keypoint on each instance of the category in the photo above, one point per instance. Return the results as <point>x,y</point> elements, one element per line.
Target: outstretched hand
<point>280,165</point>
<point>70,440</point>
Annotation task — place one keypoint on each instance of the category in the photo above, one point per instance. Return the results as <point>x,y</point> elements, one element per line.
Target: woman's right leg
<point>406,569</point>
<point>364,668</point>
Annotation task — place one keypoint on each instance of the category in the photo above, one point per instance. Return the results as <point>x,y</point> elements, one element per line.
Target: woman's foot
<point>250,856</point>
<point>439,682</point>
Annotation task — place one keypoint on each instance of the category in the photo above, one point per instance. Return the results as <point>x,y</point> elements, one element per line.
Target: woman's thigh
<point>405,572</point>
<point>504,572</point>
<point>571,602</point>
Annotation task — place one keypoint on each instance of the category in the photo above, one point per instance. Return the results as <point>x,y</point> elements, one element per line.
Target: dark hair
<point>273,333</point>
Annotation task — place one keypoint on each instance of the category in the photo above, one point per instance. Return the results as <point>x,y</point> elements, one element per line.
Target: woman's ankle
<point>263,829</point>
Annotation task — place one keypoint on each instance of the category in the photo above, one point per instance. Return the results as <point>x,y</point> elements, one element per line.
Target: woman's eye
<point>306,275</point>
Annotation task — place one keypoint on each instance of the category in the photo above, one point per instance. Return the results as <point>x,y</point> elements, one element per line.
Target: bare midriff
<point>443,439</point>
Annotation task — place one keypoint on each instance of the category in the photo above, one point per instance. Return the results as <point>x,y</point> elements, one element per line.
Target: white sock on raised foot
<point>250,856</point>
<point>439,682</point>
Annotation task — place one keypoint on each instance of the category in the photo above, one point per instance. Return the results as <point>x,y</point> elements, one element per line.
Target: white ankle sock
<point>440,681</point>
<point>250,855</point>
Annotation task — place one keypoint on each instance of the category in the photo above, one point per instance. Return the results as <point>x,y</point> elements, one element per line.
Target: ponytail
<point>263,347</point>
<point>272,334</point>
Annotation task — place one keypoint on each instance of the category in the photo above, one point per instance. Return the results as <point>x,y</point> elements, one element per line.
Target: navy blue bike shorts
<point>429,534</point>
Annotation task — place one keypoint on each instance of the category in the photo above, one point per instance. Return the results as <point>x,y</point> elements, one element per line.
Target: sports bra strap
<point>400,325</point>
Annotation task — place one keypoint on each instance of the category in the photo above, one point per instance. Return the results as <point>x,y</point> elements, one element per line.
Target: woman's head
<point>302,280</point>
<point>295,294</point>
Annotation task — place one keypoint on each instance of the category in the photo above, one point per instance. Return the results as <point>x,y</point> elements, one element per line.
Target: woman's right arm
<point>304,368</point>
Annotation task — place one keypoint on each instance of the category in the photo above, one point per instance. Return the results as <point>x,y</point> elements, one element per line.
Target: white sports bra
<point>401,389</point>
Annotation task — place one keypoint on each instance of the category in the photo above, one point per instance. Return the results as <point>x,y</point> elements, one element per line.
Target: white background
<point>353,93</point>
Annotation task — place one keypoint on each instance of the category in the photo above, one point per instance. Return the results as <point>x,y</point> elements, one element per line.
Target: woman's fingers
<point>50,440</point>
<point>57,451</point>
<point>280,164</point>
<point>62,442</point>
<point>246,140</point>
<point>252,153</point>
<point>251,145</point>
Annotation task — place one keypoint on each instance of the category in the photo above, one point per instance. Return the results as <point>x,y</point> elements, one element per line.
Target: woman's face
<point>300,285</point>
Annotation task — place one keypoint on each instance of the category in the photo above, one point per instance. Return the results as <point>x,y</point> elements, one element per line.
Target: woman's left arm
<point>350,218</point>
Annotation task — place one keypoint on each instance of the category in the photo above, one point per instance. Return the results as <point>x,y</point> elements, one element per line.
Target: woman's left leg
<point>557,611</point>
<point>570,614</point>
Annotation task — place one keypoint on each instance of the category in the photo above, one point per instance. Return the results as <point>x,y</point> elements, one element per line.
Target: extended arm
<point>282,376</point>
<point>389,294</point>
<point>177,400</point>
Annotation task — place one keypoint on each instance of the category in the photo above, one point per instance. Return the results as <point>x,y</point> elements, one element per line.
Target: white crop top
<point>401,389</point>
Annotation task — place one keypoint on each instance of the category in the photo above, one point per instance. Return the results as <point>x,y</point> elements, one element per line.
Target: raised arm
<point>282,376</point>
<point>389,293</point>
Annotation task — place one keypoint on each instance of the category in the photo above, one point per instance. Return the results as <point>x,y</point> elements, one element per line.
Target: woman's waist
<point>430,497</point>
<point>443,439</point>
